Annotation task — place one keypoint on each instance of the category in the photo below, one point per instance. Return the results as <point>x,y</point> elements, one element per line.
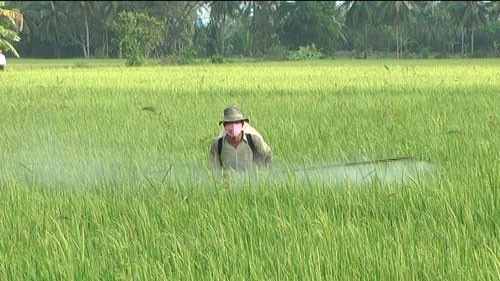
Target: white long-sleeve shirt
<point>3,61</point>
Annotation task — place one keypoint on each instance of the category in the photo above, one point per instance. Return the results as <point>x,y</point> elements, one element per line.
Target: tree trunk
<point>253,31</point>
<point>87,37</point>
<point>463,34</point>
<point>366,47</point>
<point>397,42</point>
<point>106,43</point>
<point>404,44</point>
<point>223,35</point>
<point>120,49</point>
<point>84,51</point>
<point>249,44</point>
<point>472,42</point>
<point>166,44</point>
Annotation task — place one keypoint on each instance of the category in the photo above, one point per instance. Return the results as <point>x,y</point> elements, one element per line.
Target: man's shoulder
<point>255,137</point>
<point>215,143</point>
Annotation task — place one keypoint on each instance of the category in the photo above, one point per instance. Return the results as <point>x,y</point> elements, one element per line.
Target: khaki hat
<point>233,114</point>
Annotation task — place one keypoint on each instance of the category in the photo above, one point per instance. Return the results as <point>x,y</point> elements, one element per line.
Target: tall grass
<point>88,157</point>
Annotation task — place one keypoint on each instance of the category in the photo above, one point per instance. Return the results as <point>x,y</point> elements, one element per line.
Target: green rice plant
<point>104,172</point>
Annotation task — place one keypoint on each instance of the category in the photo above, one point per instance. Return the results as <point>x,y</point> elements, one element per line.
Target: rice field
<point>105,177</point>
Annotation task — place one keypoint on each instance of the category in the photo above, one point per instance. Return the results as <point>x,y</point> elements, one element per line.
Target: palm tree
<point>178,18</point>
<point>359,15</point>
<point>474,17</point>
<point>221,12</point>
<point>85,8</point>
<point>105,13</point>
<point>79,13</point>
<point>52,19</point>
<point>15,17</point>
<point>468,15</point>
<point>397,14</point>
<point>6,35</point>
<point>456,10</point>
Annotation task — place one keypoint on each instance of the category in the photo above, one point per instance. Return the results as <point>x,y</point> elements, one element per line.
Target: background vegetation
<point>262,29</point>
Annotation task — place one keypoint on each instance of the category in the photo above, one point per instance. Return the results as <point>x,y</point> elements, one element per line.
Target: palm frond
<point>15,17</point>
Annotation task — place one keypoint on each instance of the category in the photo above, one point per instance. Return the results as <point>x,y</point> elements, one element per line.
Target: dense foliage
<point>261,28</point>
<point>139,33</point>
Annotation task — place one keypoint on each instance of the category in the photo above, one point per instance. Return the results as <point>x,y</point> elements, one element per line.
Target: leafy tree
<point>139,33</point>
<point>488,38</point>
<point>306,23</point>
<point>494,11</point>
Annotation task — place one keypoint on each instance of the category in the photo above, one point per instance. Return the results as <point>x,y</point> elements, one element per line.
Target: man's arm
<point>213,156</point>
<point>263,150</point>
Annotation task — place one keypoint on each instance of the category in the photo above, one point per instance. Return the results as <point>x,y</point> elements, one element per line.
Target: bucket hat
<point>233,114</point>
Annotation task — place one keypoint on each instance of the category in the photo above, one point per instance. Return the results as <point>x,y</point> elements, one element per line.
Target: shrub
<point>409,55</point>
<point>304,53</point>
<point>81,64</point>
<point>425,53</point>
<point>442,55</point>
<point>133,54</point>
<point>276,52</point>
<point>186,56</point>
<point>480,54</point>
<point>217,59</point>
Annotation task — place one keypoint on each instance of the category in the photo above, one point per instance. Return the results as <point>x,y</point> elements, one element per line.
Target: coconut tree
<point>105,13</point>
<point>260,21</point>
<point>475,16</point>
<point>52,19</point>
<point>469,15</point>
<point>397,14</point>
<point>6,35</point>
<point>79,14</point>
<point>456,10</point>
<point>359,16</point>
<point>221,14</point>
<point>178,18</point>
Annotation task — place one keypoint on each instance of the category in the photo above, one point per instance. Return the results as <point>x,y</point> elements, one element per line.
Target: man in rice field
<point>3,61</point>
<point>239,145</point>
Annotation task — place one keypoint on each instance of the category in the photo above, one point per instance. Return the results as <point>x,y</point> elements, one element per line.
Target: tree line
<point>260,29</point>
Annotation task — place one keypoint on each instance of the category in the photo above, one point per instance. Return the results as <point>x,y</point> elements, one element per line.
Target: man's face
<point>233,129</point>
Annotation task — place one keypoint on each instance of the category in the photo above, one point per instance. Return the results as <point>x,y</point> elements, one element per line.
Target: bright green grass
<point>77,151</point>
<point>24,64</point>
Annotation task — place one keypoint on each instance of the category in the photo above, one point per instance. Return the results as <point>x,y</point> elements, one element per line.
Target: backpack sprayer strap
<point>250,143</point>
<point>219,149</point>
